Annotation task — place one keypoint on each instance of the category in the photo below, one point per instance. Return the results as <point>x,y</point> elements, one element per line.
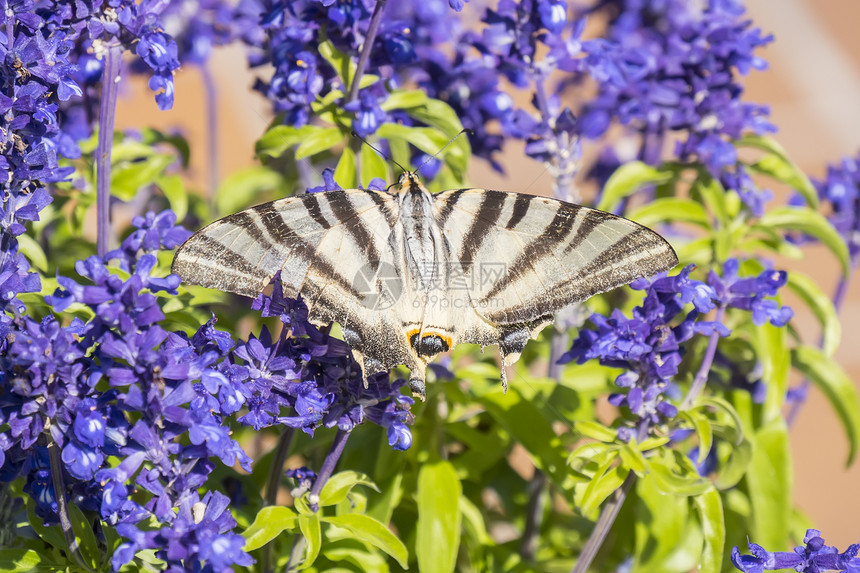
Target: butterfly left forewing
<point>335,249</point>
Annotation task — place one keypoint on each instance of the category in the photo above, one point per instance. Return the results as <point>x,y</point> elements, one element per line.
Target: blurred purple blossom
<point>672,66</point>
<point>840,192</point>
<point>94,25</point>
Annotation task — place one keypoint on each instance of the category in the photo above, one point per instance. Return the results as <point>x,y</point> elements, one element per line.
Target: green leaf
<point>343,65</point>
<point>438,534</point>
<point>174,190</point>
<point>310,526</point>
<point>340,484</point>
<point>778,165</point>
<point>813,223</point>
<point>529,426</point>
<point>354,553</point>
<point>721,405</point>
<point>602,485</point>
<point>370,531</point>
<point>345,173</point>
<point>129,150</point>
<point>821,305</point>
<point>243,188</point>
<point>128,178</point>
<point>703,430</point>
<point>698,251</point>
<point>633,459</point>
<point>669,481</point>
<point>427,139</point>
<point>837,387</point>
<point>769,482</point>
<point>590,454</point>
<point>268,524</point>
<point>399,151</point>
<point>23,561</point>
<point>713,196</point>
<point>372,165</point>
<point>52,535</point>
<point>595,430</point>
<point>278,139</point>
<point>404,99</point>
<point>671,209</point>
<point>661,524</point>
<point>628,179</point>
<point>732,470</point>
<point>445,124</point>
<point>86,537</point>
<point>322,139</point>
<point>154,138</point>
<point>473,522</point>
<point>33,251</point>
<point>440,115</point>
<point>709,506</point>
<point>772,348</point>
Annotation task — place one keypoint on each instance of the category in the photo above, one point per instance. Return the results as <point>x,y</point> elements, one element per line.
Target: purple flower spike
<point>648,345</point>
<point>813,557</point>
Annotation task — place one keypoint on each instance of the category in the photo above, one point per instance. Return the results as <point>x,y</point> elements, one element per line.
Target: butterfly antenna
<point>379,151</point>
<point>444,147</point>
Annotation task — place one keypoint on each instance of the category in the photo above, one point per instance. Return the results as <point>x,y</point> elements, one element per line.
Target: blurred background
<point>813,89</point>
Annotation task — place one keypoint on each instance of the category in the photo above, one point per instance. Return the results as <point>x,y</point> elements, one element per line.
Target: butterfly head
<point>409,182</point>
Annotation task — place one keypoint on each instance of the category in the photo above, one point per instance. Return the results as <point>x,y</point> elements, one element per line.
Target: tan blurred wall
<point>813,88</point>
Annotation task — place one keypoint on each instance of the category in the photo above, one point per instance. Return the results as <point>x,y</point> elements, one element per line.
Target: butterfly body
<point>409,274</point>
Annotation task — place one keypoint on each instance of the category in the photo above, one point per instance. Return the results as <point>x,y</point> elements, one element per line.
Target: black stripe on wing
<point>640,253</point>
<point>275,225</point>
<point>521,207</point>
<point>486,218</point>
<point>348,216</point>
<point>556,231</point>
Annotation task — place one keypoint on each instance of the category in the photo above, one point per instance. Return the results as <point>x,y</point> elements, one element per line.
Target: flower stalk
<point>707,361</point>
<point>609,514</point>
<point>211,91</point>
<point>56,463</point>
<point>107,113</point>
<point>364,57</point>
<point>328,466</point>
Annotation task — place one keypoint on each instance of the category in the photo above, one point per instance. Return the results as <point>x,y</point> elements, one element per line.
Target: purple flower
<point>840,191</point>
<point>201,531</point>
<point>649,344</point>
<point>671,66</point>
<point>368,115</point>
<point>136,26</point>
<point>305,478</point>
<point>153,232</point>
<point>751,293</point>
<point>740,181</point>
<point>813,557</point>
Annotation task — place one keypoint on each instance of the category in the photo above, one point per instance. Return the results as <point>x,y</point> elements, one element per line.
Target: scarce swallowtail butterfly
<point>408,274</point>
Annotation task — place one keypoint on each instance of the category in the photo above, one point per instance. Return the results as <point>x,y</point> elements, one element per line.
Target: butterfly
<point>408,274</point>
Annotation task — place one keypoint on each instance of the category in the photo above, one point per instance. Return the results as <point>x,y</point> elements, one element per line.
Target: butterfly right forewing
<point>527,257</point>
